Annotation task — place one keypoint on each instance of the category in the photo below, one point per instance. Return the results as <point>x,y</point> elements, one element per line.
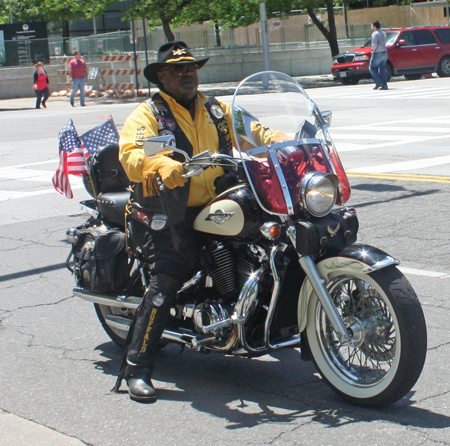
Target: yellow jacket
<point>201,133</point>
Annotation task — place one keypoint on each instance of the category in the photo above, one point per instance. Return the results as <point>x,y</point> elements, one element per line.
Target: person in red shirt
<point>77,72</point>
<point>40,79</point>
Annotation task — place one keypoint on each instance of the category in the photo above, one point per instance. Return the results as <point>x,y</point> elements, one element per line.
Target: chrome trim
<point>275,293</point>
<point>282,180</point>
<point>282,144</point>
<point>131,302</point>
<point>304,184</point>
<point>381,264</point>
<point>194,281</point>
<point>308,265</point>
<point>271,310</point>
<point>118,322</point>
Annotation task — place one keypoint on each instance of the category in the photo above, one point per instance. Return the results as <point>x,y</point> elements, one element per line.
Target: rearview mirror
<point>401,42</point>
<point>159,144</point>
<point>153,146</point>
<point>327,117</point>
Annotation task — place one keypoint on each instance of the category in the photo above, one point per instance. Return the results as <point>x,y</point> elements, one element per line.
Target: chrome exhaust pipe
<point>131,302</point>
<point>190,340</point>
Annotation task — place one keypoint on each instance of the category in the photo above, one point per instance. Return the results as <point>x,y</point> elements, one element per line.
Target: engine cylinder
<point>220,264</point>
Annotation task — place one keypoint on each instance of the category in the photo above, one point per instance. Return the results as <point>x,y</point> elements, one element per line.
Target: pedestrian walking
<point>40,86</point>
<point>78,74</point>
<point>377,65</point>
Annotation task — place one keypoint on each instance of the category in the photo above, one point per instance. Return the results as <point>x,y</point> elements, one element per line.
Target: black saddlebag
<point>318,234</point>
<point>98,258</point>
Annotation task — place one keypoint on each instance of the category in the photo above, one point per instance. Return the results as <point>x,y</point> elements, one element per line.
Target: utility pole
<point>265,42</point>
<point>265,37</point>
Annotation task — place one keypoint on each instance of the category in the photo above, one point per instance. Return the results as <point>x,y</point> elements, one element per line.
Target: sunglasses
<point>182,70</point>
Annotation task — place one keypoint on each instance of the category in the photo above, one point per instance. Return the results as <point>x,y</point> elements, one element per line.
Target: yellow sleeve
<point>140,125</point>
<point>261,134</point>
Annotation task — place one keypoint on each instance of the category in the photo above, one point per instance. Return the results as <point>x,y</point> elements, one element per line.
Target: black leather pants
<point>151,319</point>
<point>171,268</point>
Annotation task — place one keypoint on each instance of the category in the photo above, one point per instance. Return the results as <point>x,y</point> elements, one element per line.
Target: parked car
<point>411,53</point>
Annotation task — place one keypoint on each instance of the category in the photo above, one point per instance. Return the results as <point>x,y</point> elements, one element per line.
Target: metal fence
<point>202,42</point>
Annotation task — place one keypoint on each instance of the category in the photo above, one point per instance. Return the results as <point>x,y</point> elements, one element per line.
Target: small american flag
<point>71,159</point>
<point>100,136</point>
<point>75,152</point>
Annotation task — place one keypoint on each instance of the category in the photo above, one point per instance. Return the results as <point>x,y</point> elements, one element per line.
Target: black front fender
<point>374,258</point>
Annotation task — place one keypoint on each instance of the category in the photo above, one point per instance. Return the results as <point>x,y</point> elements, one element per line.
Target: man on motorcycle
<point>198,123</point>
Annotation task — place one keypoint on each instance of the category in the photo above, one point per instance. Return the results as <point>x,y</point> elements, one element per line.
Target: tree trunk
<point>217,30</point>
<point>331,34</point>
<point>166,27</point>
<point>65,35</point>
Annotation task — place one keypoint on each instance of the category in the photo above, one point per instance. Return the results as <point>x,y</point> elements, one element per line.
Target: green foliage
<point>168,13</point>
<point>51,11</point>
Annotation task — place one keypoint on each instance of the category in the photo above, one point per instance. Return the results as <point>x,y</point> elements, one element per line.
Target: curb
<point>19,431</point>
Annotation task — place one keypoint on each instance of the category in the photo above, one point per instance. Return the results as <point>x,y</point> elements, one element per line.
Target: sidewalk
<point>16,431</point>
<point>218,89</point>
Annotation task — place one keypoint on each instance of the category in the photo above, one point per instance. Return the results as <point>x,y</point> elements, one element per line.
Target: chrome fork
<point>318,284</point>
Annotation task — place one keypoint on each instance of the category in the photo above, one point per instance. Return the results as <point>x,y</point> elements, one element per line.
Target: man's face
<point>179,81</point>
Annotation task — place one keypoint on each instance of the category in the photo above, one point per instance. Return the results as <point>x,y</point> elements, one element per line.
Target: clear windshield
<point>390,39</point>
<point>282,136</point>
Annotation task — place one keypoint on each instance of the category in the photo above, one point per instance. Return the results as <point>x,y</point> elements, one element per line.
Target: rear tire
<point>117,336</point>
<point>443,69</point>
<point>389,337</point>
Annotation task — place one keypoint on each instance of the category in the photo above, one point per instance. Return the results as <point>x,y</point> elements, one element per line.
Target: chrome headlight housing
<point>318,192</point>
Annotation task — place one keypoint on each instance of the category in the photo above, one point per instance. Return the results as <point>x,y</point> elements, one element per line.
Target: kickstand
<point>182,349</point>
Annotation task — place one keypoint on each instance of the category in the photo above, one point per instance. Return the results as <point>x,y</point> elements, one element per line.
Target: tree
<point>235,13</point>
<point>58,13</point>
<point>330,34</point>
<point>159,12</point>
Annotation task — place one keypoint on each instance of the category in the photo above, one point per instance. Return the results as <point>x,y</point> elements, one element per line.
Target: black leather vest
<point>173,202</point>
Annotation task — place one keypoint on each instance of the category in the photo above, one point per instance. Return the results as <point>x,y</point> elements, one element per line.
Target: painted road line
<point>421,272</point>
<point>400,177</point>
<point>343,147</point>
<point>391,124</point>
<point>6,195</point>
<point>406,165</point>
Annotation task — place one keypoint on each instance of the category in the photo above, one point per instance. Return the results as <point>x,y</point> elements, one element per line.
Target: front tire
<point>412,77</point>
<point>349,80</point>
<point>389,71</point>
<point>388,348</point>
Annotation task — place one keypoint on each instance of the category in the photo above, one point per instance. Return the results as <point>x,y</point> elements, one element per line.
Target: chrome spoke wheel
<point>371,352</point>
<point>386,352</point>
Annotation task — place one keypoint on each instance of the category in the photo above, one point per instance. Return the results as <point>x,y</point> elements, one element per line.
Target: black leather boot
<point>140,385</point>
<point>151,319</point>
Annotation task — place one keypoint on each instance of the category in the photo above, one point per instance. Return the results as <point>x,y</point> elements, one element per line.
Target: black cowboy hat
<point>172,53</point>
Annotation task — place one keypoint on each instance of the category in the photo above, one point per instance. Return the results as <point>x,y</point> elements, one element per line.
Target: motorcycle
<point>281,267</point>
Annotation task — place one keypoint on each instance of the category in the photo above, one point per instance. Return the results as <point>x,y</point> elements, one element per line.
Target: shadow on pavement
<point>279,388</point>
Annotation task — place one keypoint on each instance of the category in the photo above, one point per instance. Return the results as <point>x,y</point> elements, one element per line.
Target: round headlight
<point>318,192</point>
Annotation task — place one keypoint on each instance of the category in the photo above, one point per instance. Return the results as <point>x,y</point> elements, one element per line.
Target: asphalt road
<point>57,365</point>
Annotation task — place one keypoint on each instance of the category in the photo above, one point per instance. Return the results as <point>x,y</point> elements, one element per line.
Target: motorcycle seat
<point>112,206</point>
